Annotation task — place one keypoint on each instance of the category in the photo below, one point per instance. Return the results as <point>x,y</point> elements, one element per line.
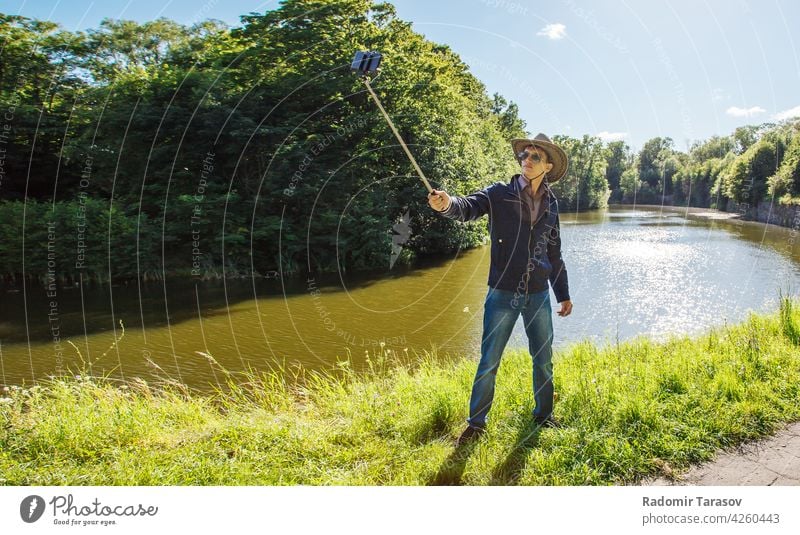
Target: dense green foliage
<point>208,149</point>
<point>251,148</point>
<point>585,186</point>
<point>753,165</point>
<point>75,239</point>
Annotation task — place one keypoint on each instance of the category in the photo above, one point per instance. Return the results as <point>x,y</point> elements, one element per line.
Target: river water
<point>643,270</point>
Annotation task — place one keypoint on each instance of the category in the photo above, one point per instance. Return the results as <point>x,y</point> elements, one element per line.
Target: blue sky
<point>619,69</point>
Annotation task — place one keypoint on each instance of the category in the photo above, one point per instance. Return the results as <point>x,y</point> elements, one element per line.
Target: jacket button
<point>500,240</point>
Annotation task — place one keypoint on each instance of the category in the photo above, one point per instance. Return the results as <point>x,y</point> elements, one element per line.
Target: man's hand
<point>566,308</point>
<point>439,200</point>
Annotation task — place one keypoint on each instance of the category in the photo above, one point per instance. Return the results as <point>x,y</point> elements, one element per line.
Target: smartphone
<point>366,62</point>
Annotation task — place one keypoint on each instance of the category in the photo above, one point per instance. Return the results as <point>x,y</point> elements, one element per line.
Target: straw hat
<point>555,154</point>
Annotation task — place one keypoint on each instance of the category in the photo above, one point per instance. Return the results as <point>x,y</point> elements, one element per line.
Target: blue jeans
<point>500,312</point>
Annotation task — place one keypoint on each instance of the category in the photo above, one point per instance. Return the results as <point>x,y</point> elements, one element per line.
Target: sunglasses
<point>533,156</point>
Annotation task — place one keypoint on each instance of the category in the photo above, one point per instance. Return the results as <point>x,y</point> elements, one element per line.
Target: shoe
<point>547,422</point>
<point>470,434</point>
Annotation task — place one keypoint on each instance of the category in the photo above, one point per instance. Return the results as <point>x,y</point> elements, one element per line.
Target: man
<point>525,254</point>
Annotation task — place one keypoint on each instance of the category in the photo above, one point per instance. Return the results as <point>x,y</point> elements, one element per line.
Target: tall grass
<point>629,410</point>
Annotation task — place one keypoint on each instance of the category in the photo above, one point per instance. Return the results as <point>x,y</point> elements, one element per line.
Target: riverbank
<point>781,215</point>
<point>630,412</point>
<point>702,213</point>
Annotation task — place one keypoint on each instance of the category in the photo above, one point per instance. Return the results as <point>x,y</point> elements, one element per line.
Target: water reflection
<point>658,272</point>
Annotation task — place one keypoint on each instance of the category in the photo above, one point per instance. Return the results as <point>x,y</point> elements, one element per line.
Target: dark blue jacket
<point>524,254</point>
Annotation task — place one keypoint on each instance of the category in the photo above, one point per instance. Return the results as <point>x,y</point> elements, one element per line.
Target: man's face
<point>533,169</point>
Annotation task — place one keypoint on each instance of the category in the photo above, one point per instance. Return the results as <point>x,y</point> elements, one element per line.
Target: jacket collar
<point>514,189</point>
<point>523,183</point>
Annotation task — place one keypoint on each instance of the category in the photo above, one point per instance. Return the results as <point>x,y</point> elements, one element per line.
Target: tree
<point>744,137</point>
<point>618,159</point>
<point>651,164</point>
<point>746,181</point>
<point>714,147</point>
<point>508,118</point>
<point>785,184</point>
<point>584,186</point>
<point>38,82</point>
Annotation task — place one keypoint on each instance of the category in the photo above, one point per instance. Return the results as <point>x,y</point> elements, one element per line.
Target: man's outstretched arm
<point>467,208</point>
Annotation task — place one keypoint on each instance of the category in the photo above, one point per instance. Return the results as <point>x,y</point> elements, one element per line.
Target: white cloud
<point>787,114</point>
<point>554,31</point>
<point>611,136</point>
<point>744,112</point>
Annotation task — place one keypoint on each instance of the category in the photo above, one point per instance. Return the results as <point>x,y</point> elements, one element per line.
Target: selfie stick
<point>367,63</point>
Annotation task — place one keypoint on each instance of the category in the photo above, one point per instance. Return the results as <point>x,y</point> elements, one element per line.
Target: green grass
<point>630,411</point>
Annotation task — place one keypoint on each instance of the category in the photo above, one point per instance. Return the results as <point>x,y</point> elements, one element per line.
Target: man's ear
<point>549,167</point>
